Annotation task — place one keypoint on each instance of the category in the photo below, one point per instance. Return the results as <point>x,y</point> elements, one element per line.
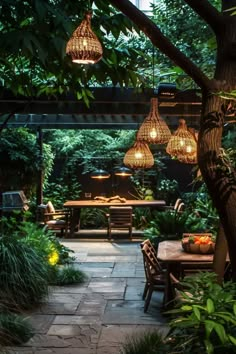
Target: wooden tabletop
<point>101,204</point>
<point>172,251</point>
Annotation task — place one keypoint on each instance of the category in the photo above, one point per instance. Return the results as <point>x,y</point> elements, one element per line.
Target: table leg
<point>169,293</point>
<point>74,221</point>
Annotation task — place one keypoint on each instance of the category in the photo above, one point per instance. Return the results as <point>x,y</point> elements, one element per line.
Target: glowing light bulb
<point>153,133</point>
<point>138,155</point>
<point>85,43</point>
<point>188,149</point>
<point>181,142</point>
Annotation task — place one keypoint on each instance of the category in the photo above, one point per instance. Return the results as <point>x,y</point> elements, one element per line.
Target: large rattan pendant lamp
<point>139,156</point>
<point>182,143</point>
<point>84,46</point>
<point>154,129</point>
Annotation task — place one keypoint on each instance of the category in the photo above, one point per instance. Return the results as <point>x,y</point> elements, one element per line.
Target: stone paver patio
<point>96,316</point>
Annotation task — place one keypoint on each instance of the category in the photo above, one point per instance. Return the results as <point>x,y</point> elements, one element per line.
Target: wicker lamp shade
<point>190,158</point>
<point>84,46</point>
<point>139,156</point>
<point>154,129</point>
<point>182,142</point>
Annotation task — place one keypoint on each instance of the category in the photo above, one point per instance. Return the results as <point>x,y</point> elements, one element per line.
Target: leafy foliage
<point>43,241</point>
<point>14,329</point>
<point>206,321</point>
<point>23,277</point>
<point>61,190</point>
<point>20,161</point>
<point>68,275</point>
<point>148,343</point>
<point>43,28</point>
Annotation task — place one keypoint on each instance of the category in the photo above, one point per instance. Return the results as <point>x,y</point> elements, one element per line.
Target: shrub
<point>14,329</point>
<point>45,242</point>
<point>23,276</point>
<point>67,275</point>
<point>206,321</point>
<point>148,343</point>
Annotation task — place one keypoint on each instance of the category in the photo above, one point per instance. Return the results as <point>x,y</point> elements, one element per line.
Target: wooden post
<point>39,193</point>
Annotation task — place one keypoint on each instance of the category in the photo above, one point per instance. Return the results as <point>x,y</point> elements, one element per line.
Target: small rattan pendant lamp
<point>154,129</point>
<point>189,157</point>
<point>139,156</point>
<point>84,46</point>
<point>182,143</point>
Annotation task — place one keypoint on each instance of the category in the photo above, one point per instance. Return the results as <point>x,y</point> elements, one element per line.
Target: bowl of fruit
<point>202,243</point>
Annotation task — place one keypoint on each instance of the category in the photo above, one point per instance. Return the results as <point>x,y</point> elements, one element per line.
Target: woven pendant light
<point>182,142</point>
<point>190,158</point>
<point>154,129</point>
<point>84,46</point>
<point>139,156</point>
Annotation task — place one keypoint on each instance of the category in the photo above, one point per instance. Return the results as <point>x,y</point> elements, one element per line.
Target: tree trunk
<point>216,170</point>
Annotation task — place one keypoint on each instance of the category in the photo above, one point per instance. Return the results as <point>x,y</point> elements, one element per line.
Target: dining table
<point>173,257</point>
<point>75,206</point>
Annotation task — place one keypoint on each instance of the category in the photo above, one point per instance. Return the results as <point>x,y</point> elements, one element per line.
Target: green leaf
<point>232,339</point>
<point>209,346</point>
<point>209,326</point>
<point>234,308</point>
<point>197,312</point>
<point>220,332</point>
<point>210,306</point>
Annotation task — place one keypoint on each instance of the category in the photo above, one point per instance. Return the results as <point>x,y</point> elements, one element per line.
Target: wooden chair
<point>155,275</point>
<point>120,218</point>
<point>53,219</point>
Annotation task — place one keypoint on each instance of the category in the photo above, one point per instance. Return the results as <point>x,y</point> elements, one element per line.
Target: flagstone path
<point>95,317</point>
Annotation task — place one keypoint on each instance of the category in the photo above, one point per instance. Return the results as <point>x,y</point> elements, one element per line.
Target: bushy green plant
<point>93,218</point>
<point>45,241</point>
<point>14,329</point>
<point>61,190</point>
<point>23,276</point>
<point>153,234</point>
<point>168,190</point>
<point>206,320</point>
<point>147,343</point>
<point>170,224</point>
<point>142,217</point>
<point>68,275</point>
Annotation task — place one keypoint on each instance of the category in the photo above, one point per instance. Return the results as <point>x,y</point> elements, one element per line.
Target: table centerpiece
<point>200,243</point>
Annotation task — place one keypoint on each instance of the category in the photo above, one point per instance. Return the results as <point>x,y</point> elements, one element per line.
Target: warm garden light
<point>139,156</point>
<point>84,46</point>
<point>123,172</point>
<point>100,174</point>
<point>154,129</point>
<point>182,144</point>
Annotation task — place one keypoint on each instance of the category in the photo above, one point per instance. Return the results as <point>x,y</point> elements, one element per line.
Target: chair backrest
<point>120,216</point>
<point>151,249</point>
<point>45,212</point>
<point>177,203</point>
<point>180,207</point>
<point>152,266</point>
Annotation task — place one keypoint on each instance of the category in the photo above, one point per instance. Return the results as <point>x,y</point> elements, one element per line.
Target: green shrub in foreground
<point>23,276</point>
<point>144,343</point>
<point>14,329</point>
<point>67,275</point>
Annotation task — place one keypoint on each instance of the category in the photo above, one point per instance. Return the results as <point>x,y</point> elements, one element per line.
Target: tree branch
<point>162,42</point>
<point>207,12</point>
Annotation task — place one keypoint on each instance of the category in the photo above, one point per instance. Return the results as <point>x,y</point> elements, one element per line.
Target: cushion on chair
<point>56,222</point>
<point>50,207</point>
